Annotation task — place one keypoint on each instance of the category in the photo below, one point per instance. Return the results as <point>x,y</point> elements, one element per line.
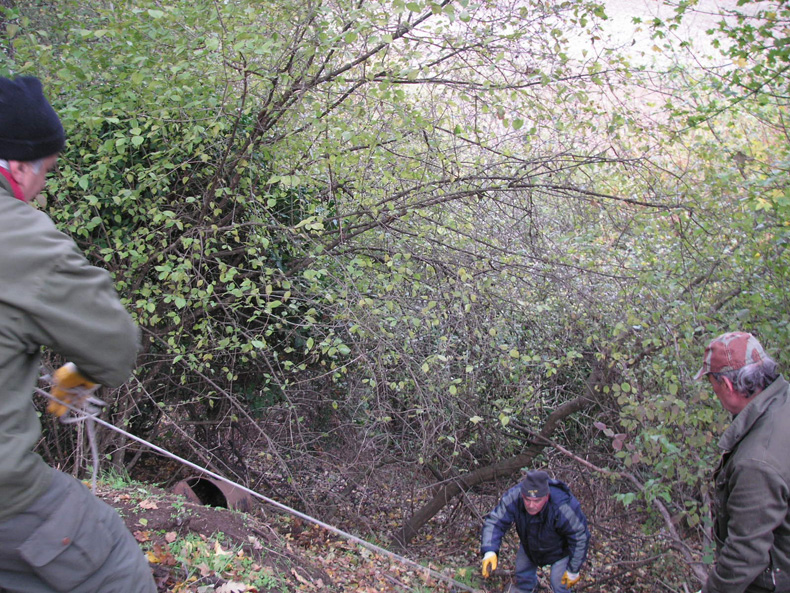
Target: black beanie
<point>535,484</point>
<point>29,127</point>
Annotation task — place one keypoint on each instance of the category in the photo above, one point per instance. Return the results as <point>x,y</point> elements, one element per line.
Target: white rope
<point>91,430</point>
<point>335,530</point>
<point>88,410</point>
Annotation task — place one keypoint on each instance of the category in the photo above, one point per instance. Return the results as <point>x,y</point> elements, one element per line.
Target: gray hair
<point>38,164</point>
<point>752,378</point>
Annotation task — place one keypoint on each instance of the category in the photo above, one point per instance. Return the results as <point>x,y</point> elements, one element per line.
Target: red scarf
<point>14,185</point>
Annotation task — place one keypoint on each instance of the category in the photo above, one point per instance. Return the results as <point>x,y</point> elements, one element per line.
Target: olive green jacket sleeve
<point>69,305</point>
<point>50,296</point>
<point>757,506</point>
<point>77,313</point>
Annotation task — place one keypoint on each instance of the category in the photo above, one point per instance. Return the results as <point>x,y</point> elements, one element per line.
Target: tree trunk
<point>507,467</point>
<point>451,489</point>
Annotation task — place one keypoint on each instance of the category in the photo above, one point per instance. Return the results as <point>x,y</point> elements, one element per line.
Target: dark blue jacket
<point>557,531</point>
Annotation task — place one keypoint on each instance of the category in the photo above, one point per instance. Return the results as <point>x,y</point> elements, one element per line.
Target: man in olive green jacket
<point>752,481</point>
<point>55,536</point>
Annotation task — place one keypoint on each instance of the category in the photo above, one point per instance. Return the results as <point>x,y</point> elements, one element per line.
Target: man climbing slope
<point>551,527</point>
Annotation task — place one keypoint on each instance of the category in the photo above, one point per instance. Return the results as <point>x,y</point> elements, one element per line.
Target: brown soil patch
<point>157,518</point>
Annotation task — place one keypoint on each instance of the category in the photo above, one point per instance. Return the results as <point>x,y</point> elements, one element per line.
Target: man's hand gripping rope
<point>71,400</point>
<point>70,390</point>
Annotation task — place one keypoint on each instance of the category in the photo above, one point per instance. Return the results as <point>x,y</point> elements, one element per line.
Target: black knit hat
<point>535,484</point>
<point>29,127</point>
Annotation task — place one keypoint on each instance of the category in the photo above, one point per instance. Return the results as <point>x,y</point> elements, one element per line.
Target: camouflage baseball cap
<point>730,352</point>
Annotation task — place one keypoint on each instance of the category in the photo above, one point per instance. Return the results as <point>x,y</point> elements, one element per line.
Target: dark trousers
<point>69,541</point>
<point>527,574</point>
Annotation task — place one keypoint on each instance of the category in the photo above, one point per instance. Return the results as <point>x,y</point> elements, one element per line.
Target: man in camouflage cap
<point>752,482</point>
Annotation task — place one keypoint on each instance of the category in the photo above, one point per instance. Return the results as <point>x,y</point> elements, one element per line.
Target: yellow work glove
<point>70,387</point>
<point>569,579</point>
<point>489,563</point>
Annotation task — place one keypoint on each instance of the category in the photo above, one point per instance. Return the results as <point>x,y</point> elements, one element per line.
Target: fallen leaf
<point>162,555</point>
<point>301,579</point>
<point>171,536</point>
<point>142,536</point>
<point>219,551</point>
<point>232,587</point>
<point>204,569</point>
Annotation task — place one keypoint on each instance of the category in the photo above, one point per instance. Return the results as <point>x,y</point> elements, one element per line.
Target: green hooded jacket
<point>752,497</point>
<point>49,296</point>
